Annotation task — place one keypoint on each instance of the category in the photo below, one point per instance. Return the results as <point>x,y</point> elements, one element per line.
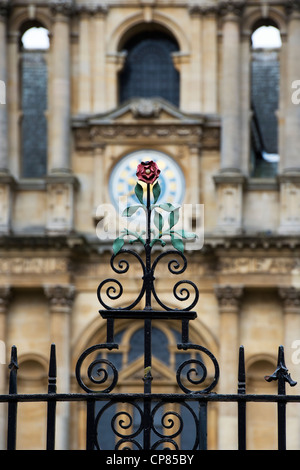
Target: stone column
<point>210,60</point>
<point>195,104</point>
<point>99,60</point>
<point>84,66</point>
<point>5,294</point>
<point>60,306</point>
<point>291,313</point>
<point>229,306</point>
<point>6,180</point>
<point>3,85</point>
<point>60,89</point>
<point>229,180</point>
<point>60,181</point>
<point>290,161</point>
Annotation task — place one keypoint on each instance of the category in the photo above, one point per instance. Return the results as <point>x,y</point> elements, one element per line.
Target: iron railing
<point>147,420</point>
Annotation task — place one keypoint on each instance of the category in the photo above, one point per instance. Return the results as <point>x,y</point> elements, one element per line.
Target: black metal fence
<point>135,427</point>
<point>149,421</point>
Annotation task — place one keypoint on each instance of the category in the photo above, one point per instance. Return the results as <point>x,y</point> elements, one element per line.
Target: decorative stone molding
<point>61,7</point>
<point>231,9</point>
<point>60,297</point>
<point>229,297</point>
<point>5,296</point>
<point>4,8</point>
<point>291,298</point>
<point>6,187</point>
<point>60,206</point>
<point>290,202</point>
<point>230,185</point>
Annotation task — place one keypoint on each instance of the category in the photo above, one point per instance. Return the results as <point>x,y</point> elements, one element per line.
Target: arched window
<point>33,86</point>
<point>149,71</point>
<point>265,73</point>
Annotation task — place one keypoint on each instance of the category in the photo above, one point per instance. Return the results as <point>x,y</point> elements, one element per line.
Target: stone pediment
<point>139,109</point>
<point>140,119</point>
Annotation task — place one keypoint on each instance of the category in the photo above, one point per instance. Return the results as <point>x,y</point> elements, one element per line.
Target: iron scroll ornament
<point>183,289</point>
<point>192,375</point>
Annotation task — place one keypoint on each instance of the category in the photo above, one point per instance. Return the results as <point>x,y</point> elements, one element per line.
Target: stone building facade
<point>97,115</point>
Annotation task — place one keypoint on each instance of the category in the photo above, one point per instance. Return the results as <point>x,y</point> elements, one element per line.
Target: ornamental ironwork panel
<point>149,421</point>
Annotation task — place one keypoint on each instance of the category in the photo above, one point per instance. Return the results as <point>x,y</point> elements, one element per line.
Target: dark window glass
<point>34,123</point>
<point>149,71</point>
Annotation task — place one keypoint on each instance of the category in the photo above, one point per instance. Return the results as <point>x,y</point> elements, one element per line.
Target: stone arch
<point>136,23</point>
<point>254,20</point>
<point>20,21</point>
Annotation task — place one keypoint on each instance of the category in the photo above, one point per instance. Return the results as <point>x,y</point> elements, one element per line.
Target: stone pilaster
<point>289,177</point>
<point>229,298</point>
<point>290,296</point>
<point>99,59</point>
<point>85,64</point>
<point>61,184</point>
<point>6,180</point>
<point>3,84</point>
<point>61,299</point>
<point>5,296</point>
<point>229,181</point>
<point>60,87</point>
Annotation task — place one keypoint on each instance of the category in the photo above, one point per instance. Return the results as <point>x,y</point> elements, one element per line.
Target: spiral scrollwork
<point>194,371</point>
<point>126,424</point>
<point>100,372</point>
<point>114,289</point>
<point>183,289</point>
<point>173,426</point>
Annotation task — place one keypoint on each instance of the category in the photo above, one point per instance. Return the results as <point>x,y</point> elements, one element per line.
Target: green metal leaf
<point>167,206</point>
<point>139,192</point>
<point>178,244</point>
<point>118,244</point>
<point>158,221</point>
<point>185,234</point>
<point>130,210</point>
<point>156,191</point>
<point>174,217</point>
<point>162,242</point>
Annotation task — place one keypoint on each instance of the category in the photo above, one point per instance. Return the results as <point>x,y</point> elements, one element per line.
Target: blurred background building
<point>205,89</point>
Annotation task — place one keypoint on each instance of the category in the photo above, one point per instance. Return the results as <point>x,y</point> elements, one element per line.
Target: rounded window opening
<point>36,37</point>
<point>265,88</point>
<point>266,37</point>
<point>149,70</point>
<point>34,46</point>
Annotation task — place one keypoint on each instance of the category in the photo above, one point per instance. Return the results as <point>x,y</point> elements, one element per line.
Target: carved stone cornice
<point>5,295</point>
<point>291,298</point>
<point>200,10</point>
<point>146,119</point>
<point>4,9</point>
<point>61,7</point>
<point>229,297</point>
<point>231,9</point>
<point>60,297</point>
<point>92,9</point>
<point>292,7</point>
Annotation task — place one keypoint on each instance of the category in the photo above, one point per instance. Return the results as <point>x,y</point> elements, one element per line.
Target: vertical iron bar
<point>281,406</point>
<point>241,405</point>
<point>90,424</point>
<point>148,281</point>
<point>148,329</point>
<point>203,426</point>
<point>51,409</point>
<point>12,406</point>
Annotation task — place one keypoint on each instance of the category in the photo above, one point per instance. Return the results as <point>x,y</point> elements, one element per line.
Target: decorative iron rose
<point>148,172</point>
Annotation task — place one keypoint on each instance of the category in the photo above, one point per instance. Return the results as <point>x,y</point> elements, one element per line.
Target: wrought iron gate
<point>149,421</point>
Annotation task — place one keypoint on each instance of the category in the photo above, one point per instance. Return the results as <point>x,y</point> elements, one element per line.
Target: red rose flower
<point>148,172</point>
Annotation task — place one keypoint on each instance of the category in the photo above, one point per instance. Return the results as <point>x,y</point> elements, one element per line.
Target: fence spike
<point>52,370</point>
